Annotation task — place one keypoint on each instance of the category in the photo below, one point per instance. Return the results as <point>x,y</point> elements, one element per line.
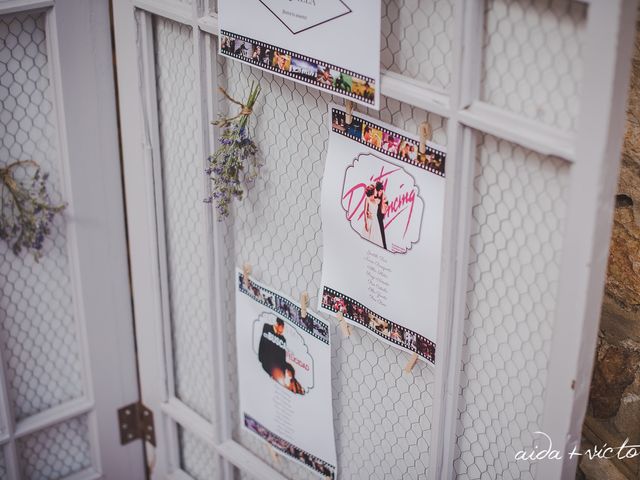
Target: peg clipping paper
<point>332,45</point>
<point>284,376</point>
<point>382,209</point>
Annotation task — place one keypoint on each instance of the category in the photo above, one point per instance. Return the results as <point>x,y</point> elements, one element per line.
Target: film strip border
<point>286,308</point>
<point>392,332</point>
<point>340,80</point>
<point>286,447</point>
<point>390,143</point>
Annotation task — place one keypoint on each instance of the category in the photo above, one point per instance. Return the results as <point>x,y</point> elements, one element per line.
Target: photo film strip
<point>282,445</point>
<point>356,312</point>
<point>285,308</point>
<point>390,143</point>
<point>299,67</point>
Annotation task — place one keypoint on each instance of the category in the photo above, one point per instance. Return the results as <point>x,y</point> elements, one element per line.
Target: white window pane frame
<point>591,151</point>
<point>83,112</point>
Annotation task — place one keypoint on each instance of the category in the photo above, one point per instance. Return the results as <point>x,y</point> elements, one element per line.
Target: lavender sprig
<point>26,211</point>
<point>234,163</point>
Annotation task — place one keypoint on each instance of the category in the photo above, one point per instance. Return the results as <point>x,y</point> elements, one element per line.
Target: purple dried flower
<point>234,162</point>
<point>26,213</point>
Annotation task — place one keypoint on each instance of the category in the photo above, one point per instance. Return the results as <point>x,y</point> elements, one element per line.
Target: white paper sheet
<point>333,45</point>
<point>382,219</point>
<point>284,376</point>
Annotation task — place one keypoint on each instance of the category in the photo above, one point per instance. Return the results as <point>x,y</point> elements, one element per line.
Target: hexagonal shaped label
<point>382,203</point>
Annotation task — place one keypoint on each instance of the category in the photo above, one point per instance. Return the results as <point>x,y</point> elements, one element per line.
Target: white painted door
<point>66,331</point>
<point>527,95</point>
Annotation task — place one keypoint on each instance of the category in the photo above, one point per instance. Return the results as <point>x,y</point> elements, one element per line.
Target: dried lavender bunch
<point>26,211</point>
<point>235,162</point>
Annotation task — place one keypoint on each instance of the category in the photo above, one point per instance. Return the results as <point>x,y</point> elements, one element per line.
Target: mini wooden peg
<point>346,329</point>
<point>246,272</point>
<point>272,452</point>
<point>348,118</point>
<point>344,326</point>
<point>425,136</point>
<point>411,363</point>
<point>304,304</point>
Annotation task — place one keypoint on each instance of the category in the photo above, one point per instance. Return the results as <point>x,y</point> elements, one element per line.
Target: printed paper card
<point>333,45</point>
<point>284,376</point>
<point>382,219</point>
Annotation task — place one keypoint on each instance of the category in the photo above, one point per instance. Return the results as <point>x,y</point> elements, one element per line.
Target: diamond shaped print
<point>301,15</point>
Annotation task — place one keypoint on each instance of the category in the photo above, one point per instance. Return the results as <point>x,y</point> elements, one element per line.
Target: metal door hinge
<point>136,421</point>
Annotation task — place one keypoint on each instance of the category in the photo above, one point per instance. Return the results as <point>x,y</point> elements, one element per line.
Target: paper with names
<point>332,45</point>
<point>284,376</point>
<point>382,210</point>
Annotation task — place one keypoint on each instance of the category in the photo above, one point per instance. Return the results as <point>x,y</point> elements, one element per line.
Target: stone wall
<point>614,403</point>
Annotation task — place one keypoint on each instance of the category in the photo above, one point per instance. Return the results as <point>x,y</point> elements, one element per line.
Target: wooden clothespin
<point>344,326</point>
<point>246,272</point>
<point>304,304</point>
<point>425,136</point>
<point>411,363</point>
<point>348,118</point>
<point>272,452</point>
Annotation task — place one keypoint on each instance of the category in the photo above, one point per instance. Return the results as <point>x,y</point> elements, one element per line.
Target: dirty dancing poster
<point>332,45</point>
<point>382,219</point>
<point>284,376</point>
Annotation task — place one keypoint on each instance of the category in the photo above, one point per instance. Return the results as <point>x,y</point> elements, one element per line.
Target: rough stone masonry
<point>614,402</point>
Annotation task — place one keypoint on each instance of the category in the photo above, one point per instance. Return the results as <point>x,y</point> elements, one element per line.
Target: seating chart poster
<point>284,376</point>
<point>382,211</point>
<point>333,45</point>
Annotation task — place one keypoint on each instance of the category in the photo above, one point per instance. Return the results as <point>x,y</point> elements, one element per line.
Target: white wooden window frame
<point>592,152</point>
<point>78,40</point>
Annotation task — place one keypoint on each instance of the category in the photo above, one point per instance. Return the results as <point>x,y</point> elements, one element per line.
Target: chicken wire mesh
<point>516,242</point>
<point>417,40</point>
<point>532,61</point>
<point>57,451</point>
<point>38,329</point>
<point>196,457</point>
<point>182,194</point>
<point>288,106</point>
<point>381,417</point>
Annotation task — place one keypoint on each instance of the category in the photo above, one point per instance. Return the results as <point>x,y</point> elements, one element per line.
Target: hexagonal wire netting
<point>38,331</point>
<point>182,192</point>
<point>532,62</point>
<point>417,40</point>
<point>38,334</point>
<point>172,41</point>
<point>516,242</point>
<point>56,452</point>
<point>382,418</point>
<point>196,456</point>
